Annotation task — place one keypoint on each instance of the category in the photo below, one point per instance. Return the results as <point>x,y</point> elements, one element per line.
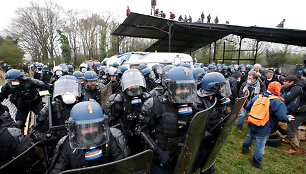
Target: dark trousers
<point>21,115</point>
<point>293,125</point>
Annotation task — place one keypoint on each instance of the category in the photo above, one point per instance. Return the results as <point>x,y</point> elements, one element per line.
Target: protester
<point>254,86</point>
<point>277,111</point>
<point>292,93</point>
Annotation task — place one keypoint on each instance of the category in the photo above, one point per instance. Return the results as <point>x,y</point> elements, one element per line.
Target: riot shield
<point>192,142</point>
<point>290,69</point>
<point>139,163</point>
<point>106,92</point>
<point>227,127</point>
<point>33,160</point>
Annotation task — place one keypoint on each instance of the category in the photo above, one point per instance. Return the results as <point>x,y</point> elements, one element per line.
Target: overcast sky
<point>264,13</point>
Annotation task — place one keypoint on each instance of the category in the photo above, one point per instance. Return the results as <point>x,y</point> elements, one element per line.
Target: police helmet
<point>142,66</point>
<point>211,67</point>
<point>102,69</point>
<point>115,64</point>
<point>132,78</point>
<point>87,126</point>
<point>64,67</point>
<point>278,71</point>
<point>71,77</point>
<point>70,68</point>
<point>78,75</point>
<point>58,70</point>
<point>90,76</point>
<point>83,67</point>
<point>123,68</point>
<point>45,68</point>
<point>113,71</point>
<point>146,71</point>
<point>242,68</point>
<point>198,73</point>
<point>224,67</point>
<point>180,85</point>
<point>165,71</point>
<point>187,65</point>
<point>68,88</point>
<point>213,83</point>
<point>13,74</point>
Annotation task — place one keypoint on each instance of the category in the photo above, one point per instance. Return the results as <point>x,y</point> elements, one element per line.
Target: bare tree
<point>35,27</point>
<point>71,28</point>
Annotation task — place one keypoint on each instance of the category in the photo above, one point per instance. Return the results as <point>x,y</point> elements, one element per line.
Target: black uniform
<point>12,140</point>
<point>24,96</point>
<point>167,128</point>
<point>217,115</point>
<point>120,110</point>
<point>67,158</point>
<point>60,114</point>
<point>37,74</point>
<point>94,94</point>
<point>46,76</point>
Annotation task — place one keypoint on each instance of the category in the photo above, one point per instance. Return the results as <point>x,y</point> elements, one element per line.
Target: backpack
<point>259,114</point>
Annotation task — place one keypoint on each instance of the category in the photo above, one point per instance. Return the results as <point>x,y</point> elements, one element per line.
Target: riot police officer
<point>167,118</point>
<point>70,69</point>
<point>66,94</point>
<point>149,77</point>
<point>46,75</point>
<point>112,75</point>
<point>12,140</point>
<point>214,92</point>
<point>91,88</point>
<point>58,72</point>
<point>23,94</point>
<point>124,108</point>
<point>38,71</point>
<point>91,142</point>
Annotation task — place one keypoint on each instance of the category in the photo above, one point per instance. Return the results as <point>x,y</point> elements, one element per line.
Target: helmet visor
<point>84,135</point>
<point>132,77</point>
<point>182,91</point>
<point>66,85</point>
<point>225,89</point>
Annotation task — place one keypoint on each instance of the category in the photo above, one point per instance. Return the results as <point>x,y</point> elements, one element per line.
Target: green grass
<point>230,160</point>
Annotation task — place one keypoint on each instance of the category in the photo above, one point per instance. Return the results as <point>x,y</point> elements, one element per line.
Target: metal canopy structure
<point>187,37</point>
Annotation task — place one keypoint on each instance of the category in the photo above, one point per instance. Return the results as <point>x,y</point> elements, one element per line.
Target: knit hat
<point>275,88</point>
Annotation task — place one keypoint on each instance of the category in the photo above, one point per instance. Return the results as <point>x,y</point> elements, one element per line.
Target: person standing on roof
<point>128,11</point>
<point>208,18</point>
<point>216,20</point>
<point>202,17</point>
<point>153,5</point>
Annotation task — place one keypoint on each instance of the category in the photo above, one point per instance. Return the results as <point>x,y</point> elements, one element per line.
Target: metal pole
<point>239,50</point>
<point>257,41</point>
<point>170,35</point>
<point>209,53</point>
<point>215,50</point>
<point>223,51</point>
<point>118,44</point>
